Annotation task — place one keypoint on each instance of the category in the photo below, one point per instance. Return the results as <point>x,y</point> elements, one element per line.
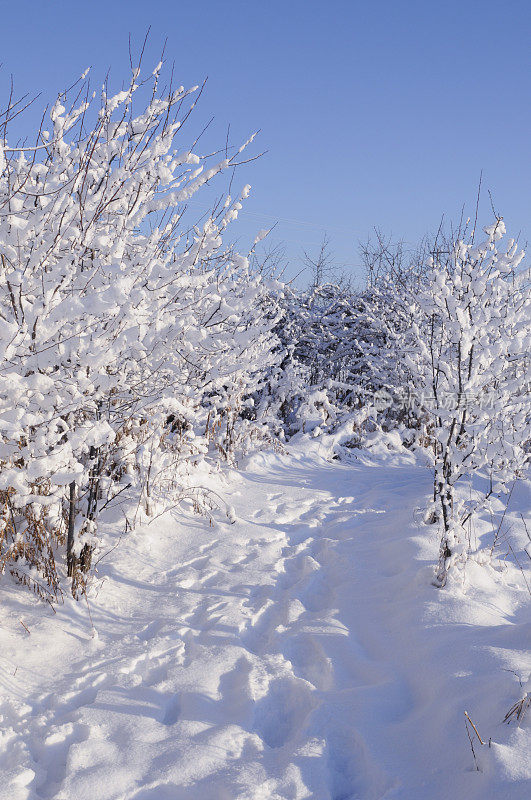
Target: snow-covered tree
<point>114,318</point>
<point>467,351</point>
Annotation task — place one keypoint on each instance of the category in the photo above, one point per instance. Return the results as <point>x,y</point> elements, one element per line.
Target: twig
<point>505,669</point>
<point>528,535</point>
<point>25,627</point>
<point>520,567</point>
<point>114,497</point>
<point>503,517</point>
<point>477,206</point>
<point>471,745</point>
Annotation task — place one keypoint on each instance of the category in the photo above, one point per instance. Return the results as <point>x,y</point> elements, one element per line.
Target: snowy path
<point>298,653</point>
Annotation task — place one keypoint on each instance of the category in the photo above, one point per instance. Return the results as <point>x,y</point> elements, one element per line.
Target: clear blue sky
<point>374,113</point>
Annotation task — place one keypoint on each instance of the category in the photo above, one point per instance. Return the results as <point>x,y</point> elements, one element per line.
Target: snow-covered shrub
<point>320,370</point>
<point>338,357</point>
<point>122,337</point>
<point>389,307</point>
<point>466,351</point>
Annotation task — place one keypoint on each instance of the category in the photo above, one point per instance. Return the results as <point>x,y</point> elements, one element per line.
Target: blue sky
<point>373,113</point>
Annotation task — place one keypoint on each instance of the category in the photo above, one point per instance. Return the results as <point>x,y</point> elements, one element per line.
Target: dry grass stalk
<point>519,709</point>
<point>471,746</point>
<point>476,730</point>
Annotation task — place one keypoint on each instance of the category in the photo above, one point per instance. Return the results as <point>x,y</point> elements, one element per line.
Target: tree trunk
<point>70,557</point>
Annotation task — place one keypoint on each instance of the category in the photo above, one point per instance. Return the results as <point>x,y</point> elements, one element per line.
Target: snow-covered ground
<point>300,652</point>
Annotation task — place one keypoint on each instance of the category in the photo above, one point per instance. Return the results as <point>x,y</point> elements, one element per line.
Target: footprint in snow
<point>235,691</point>
<point>51,755</point>
<point>352,773</point>
<point>280,715</point>
<point>171,710</point>
<point>151,630</point>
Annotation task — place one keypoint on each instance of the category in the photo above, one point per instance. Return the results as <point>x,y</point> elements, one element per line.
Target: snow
<point>291,641</point>
<point>293,649</point>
